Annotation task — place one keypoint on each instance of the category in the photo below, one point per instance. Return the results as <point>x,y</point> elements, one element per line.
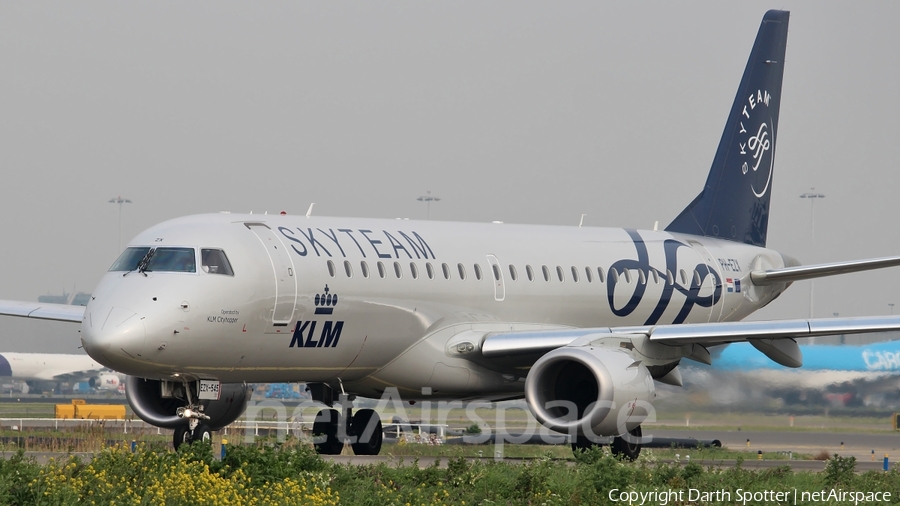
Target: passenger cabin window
<point>642,277</point>
<point>478,272</point>
<point>614,275</point>
<point>655,276</point>
<point>601,275</point>
<point>670,279</point>
<point>214,261</point>
<point>172,260</point>
<point>381,270</point>
<point>683,276</point>
<point>348,270</point>
<point>429,270</point>
<point>496,270</point>
<point>560,274</point>
<point>696,278</point>
<point>574,274</point>
<point>364,267</point>
<point>588,274</point>
<point>546,271</point>
<point>512,272</point>
<point>397,270</point>
<point>529,272</point>
<point>331,268</point>
<point>462,271</point>
<point>627,274</point>
<point>129,259</point>
<point>413,270</point>
<point>446,269</point>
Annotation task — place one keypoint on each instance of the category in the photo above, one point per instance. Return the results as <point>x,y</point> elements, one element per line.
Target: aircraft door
<point>496,274</point>
<point>285,299</point>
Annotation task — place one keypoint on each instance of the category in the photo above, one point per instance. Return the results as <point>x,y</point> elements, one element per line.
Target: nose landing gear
<point>195,429</point>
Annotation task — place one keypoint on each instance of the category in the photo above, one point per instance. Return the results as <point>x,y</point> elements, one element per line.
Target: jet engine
<point>147,401</point>
<point>589,391</point>
<point>105,382</point>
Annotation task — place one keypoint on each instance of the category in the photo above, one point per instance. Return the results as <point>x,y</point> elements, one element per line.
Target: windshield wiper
<point>142,265</point>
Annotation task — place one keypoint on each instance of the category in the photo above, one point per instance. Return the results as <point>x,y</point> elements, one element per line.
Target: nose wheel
<point>185,435</point>
<point>195,427</point>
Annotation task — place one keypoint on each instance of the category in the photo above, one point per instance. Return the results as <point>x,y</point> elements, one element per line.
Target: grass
<point>291,473</point>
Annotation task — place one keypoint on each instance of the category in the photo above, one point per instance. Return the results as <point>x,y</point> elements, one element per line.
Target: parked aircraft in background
<point>579,320</point>
<point>50,369</point>
<point>842,372</point>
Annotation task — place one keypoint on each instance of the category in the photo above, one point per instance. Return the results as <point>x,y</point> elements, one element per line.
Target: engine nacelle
<point>589,391</point>
<point>105,382</point>
<point>147,402</point>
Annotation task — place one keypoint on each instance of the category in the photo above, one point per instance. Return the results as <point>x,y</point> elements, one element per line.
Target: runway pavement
<point>797,443</point>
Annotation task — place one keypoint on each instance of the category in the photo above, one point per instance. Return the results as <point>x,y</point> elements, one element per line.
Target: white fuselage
<point>375,302</point>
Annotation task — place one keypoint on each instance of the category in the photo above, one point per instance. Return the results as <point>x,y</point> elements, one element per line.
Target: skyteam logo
<point>756,141</point>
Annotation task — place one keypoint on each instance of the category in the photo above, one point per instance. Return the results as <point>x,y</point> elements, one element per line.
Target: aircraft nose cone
<point>113,336</point>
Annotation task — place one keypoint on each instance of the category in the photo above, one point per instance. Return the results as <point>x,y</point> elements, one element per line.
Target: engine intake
<point>589,391</point>
<point>147,402</point>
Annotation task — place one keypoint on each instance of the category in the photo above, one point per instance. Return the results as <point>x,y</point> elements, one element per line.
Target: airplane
<point>36,369</point>
<point>865,366</point>
<point>581,321</point>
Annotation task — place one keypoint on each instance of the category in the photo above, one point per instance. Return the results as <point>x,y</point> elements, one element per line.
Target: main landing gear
<point>330,430</point>
<point>627,447</point>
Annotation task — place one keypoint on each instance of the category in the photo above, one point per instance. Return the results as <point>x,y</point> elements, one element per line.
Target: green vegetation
<point>291,473</point>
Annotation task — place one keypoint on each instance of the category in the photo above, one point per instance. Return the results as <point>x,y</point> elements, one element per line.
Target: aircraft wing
<point>776,339</point>
<point>42,311</point>
<point>801,272</point>
<point>75,376</point>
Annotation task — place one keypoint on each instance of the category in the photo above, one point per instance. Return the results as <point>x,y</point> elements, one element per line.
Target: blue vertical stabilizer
<point>734,204</point>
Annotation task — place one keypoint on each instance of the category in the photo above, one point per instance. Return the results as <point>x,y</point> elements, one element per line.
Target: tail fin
<point>734,204</point>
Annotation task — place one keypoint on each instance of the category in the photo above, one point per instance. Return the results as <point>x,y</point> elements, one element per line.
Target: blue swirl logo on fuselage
<point>691,292</point>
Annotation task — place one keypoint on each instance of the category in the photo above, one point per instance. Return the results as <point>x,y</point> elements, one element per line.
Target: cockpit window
<point>172,260</point>
<point>215,262</point>
<point>129,259</point>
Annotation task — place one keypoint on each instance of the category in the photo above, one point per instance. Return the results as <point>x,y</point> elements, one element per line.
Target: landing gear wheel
<point>366,427</point>
<point>628,450</point>
<point>202,433</point>
<point>182,436</point>
<point>325,430</point>
<point>582,443</point>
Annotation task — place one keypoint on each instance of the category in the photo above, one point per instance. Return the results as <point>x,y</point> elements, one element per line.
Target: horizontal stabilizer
<point>790,274</point>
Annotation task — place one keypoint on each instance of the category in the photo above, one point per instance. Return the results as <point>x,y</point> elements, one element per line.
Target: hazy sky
<point>528,112</point>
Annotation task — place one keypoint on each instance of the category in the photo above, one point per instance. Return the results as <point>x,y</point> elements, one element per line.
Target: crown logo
<point>325,302</point>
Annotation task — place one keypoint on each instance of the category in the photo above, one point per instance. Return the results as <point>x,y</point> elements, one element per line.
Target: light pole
<point>119,200</point>
<point>812,196</point>
<point>428,199</point>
